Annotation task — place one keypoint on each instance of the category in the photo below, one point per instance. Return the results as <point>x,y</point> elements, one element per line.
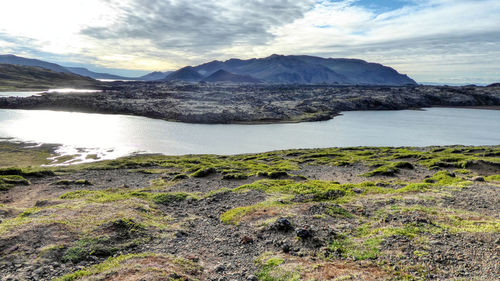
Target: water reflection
<point>38,93</point>
<point>110,136</point>
<point>18,94</point>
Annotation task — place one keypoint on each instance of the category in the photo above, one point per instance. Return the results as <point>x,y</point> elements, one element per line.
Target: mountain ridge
<point>294,69</point>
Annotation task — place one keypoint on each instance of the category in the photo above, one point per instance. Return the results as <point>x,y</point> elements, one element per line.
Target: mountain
<point>308,70</point>
<point>224,76</point>
<point>187,73</point>
<point>11,59</point>
<point>20,77</point>
<point>153,76</point>
<point>96,75</point>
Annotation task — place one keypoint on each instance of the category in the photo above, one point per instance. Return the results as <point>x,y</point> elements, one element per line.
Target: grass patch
<point>235,215</point>
<point>86,248</point>
<point>169,198</point>
<point>9,181</point>
<point>492,178</point>
<point>320,190</point>
<point>271,269</point>
<point>151,266</point>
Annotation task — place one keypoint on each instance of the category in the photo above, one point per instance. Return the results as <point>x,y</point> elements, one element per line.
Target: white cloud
<point>430,40</point>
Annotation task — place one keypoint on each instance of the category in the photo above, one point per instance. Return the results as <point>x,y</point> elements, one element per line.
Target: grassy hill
<point>16,77</point>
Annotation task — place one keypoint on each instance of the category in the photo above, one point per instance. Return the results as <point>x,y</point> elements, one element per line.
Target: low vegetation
<point>359,213</point>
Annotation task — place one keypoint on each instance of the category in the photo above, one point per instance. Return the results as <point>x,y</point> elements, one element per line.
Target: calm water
<point>110,136</point>
<point>37,93</point>
<point>19,94</point>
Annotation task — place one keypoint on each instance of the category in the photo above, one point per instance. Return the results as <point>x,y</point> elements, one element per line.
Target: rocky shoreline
<point>222,103</point>
<point>361,213</point>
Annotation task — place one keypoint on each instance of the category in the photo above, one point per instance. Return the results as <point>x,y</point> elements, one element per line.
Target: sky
<point>440,41</point>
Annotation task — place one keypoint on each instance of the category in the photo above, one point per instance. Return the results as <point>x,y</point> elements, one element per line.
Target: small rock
<point>181,233</point>
<point>12,249</point>
<point>304,233</point>
<point>286,247</point>
<point>246,239</point>
<point>478,178</point>
<point>220,268</point>
<point>193,257</point>
<point>357,190</point>
<point>174,276</point>
<point>252,278</point>
<point>282,224</point>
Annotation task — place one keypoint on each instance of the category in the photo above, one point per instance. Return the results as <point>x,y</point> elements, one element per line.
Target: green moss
<point>180,177</point>
<point>168,198</point>
<point>270,269</point>
<point>454,220</point>
<point>321,190</point>
<point>9,181</point>
<point>493,178</point>
<point>389,169</point>
<point>110,263</point>
<point>337,211</point>
<point>419,254</point>
<point>99,196</point>
<point>86,248</point>
<point>462,171</point>
<point>203,172</point>
<point>217,191</point>
<point>235,176</point>
<point>357,250</point>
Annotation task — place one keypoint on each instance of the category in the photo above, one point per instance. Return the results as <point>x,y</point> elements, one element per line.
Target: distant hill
<point>19,77</point>
<point>96,75</point>
<point>188,74</point>
<point>224,76</point>
<point>304,70</point>
<point>153,76</point>
<point>11,59</point>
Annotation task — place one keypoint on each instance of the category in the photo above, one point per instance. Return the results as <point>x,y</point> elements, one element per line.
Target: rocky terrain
<point>320,214</point>
<point>223,103</point>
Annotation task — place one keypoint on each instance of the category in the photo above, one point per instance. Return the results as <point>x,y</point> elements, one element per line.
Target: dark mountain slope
<point>187,73</point>
<point>309,70</point>
<point>224,76</point>
<point>153,76</point>
<point>18,77</point>
<point>97,75</point>
<point>11,59</point>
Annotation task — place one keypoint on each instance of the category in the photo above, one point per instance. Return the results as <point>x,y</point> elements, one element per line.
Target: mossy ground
<point>153,216</point>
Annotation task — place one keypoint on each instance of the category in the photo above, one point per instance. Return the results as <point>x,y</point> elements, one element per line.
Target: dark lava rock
<point>286,247</point>
<point>246,239</point>
<point>304,233</point>
<point>282,224</point>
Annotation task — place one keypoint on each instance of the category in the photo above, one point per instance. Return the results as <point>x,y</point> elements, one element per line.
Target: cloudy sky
<point>444,41</point>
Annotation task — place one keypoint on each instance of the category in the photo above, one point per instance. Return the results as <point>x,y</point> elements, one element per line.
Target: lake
<point>37,93</point>
<point>112,136</point>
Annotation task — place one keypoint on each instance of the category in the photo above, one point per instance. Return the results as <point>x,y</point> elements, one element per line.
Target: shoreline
<point>248,104</point>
